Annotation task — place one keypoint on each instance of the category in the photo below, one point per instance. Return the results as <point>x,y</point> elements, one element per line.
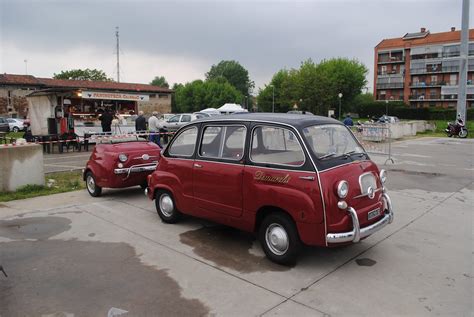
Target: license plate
<point>374,213</point>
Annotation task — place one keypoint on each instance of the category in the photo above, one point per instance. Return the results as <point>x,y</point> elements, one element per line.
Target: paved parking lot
<point>73,254</point>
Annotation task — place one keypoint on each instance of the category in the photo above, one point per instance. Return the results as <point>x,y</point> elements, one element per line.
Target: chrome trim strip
<point>365,195</point>
<point>272,168</point>
<point>136,168</point>
<point>357,233</point>
<point>349,163</point>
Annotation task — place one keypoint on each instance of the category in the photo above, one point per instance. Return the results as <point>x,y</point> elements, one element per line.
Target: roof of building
<point>28,80</point>
<point>430,38</point>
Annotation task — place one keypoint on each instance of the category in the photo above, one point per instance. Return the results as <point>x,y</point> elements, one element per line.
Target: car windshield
<point>331,140</point>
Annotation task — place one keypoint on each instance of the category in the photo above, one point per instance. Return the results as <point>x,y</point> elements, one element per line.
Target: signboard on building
<point>113,96</point>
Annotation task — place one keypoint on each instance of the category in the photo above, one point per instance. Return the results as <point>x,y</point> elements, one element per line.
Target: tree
<point>199,95</point>
<point>160,81</point>
<point>234,73</point>
<point>83,74</point>
<point>315,87</point>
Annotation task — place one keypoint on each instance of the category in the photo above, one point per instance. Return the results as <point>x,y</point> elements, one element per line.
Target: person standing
<point>106,121</point>
<point>154,127</point>
<point>140,122</point>
<point>348,121</point>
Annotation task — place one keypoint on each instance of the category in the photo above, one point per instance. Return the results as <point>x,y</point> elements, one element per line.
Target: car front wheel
<point>15,129</point>
<point>279,238</point>
<point>91,185</point>
<point>166,207</point>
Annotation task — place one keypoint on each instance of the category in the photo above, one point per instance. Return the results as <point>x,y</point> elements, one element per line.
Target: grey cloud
<point>264,35</point>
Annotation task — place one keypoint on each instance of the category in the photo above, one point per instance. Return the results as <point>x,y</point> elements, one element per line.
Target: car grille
<point>367,180</point>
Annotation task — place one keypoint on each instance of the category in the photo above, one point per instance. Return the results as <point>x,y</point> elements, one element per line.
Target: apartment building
<point>422,69</point>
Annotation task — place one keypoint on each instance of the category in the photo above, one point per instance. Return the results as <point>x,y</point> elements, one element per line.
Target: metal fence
<point>376,138</point>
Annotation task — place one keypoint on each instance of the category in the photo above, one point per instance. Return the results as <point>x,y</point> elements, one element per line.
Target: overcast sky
<point>182,39</point>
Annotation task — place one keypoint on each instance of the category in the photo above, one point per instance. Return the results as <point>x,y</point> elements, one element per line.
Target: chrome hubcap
<point>277,239</point>
<point>166,205</point>
<point>90,184</point>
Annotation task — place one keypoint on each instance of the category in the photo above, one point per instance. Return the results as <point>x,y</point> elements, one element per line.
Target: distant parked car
<point>388,119</point>
<point>167,116</point>
<point>119,163</point>
<point>300,112</point>
<point>16,124</point>
<point>177,121</point>
<point>4,126</point>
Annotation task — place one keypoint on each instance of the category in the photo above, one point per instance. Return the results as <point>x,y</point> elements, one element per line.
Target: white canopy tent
<point>229,108</point>
<point>211,111</point>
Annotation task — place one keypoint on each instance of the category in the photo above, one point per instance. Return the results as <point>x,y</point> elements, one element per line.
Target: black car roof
<point>296,120</point>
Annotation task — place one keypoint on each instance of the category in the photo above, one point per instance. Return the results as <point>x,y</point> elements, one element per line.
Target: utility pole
<point>118,53</point>
<point>461,107</point>
<point>26,66</point>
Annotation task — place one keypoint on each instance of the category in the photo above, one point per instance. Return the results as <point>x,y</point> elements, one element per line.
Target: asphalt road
<point>73,255</point>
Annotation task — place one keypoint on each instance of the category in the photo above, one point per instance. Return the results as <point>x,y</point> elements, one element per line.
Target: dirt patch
<point>228,247</point>
<point>41,228</point>
<point>365,262</point>
<point>54,277</point>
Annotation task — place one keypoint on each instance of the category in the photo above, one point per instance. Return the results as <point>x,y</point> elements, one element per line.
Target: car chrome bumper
<point>357,232</point>
<point>136,169</point>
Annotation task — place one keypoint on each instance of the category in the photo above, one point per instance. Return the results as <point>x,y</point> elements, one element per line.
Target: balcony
<point>394,73</point>
<point>438,69</point>
<point>422,84</point>
<point>433,97</point>
<point>390,60</point>
<point>391,98</point>
<point>390,86</point>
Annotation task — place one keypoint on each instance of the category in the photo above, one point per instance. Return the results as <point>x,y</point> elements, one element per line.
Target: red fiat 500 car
<point>292,179</point>
<point>118,163</point>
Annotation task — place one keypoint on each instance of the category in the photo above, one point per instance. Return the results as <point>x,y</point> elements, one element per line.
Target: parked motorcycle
<point>457,128</point>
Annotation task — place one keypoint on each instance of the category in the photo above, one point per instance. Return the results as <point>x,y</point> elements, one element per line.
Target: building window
<point>383,70</point>
<point>434,80</point>
<point>453,80</point>
<point>163,96</point>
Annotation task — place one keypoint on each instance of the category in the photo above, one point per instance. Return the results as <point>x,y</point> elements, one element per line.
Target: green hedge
<point>403,111</point>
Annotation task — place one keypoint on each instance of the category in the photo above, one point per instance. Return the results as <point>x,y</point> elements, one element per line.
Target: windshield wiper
<point>348,154</point>
<point>327,155</point>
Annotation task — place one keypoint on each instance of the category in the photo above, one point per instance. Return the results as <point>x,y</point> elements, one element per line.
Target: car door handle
<point>197,165</point>
<point>307,178</point>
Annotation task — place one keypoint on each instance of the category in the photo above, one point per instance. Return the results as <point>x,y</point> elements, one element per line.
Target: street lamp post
<point>386,108</point>
<point>273,98</point>
<point>340,97</point>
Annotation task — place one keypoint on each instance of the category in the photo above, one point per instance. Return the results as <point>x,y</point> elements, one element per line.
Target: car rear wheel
<point>166,207</point>
<point>279,238</point>
<point>16,129</point>
<point>91,185</point>
<point>144,185</point>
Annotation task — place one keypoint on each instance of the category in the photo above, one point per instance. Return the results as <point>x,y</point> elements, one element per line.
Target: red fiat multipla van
<point>291,179</point>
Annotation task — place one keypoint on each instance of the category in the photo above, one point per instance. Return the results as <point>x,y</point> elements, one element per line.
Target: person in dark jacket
<point>348,121</point>
<point>106,121</point>
<point>140,122</point>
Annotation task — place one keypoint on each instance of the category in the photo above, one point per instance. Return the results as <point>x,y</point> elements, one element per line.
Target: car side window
<point>174,119</point>
<point>184,143</point>
<point>277,146</point>
<point>186,118</point>
<point>223,142</point>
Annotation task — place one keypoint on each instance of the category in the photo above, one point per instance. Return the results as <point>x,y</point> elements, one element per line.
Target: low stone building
<point>14,89</point>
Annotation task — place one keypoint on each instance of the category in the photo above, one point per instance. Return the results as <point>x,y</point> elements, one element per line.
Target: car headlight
<point>123,157</point>
<point>383,176</point>
<point>342,189</point>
